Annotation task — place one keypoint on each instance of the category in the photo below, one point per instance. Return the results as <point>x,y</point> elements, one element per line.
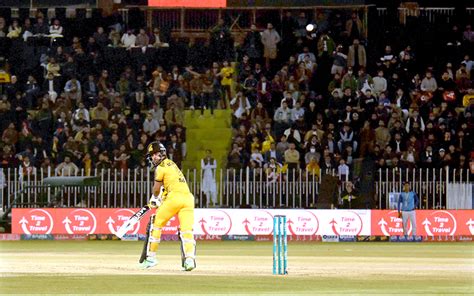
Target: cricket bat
<point>134,219</point>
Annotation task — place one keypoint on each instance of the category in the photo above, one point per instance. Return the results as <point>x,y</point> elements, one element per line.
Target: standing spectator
<point>354,27</point>
<point>100,37</point>
<point>221,41</point>
<point>407,203</point>
<point>270,39</point>
<point>26,170</point>
<point>356,58</point>
<point>226,82</point>
<point>253,44</point>
<point>340,61</point>
<point>343,170</point>
<point>350,196</point>
<point>209,186</point>
<point>301,22</point>
<point>382,135</point>
<point>326,45</point>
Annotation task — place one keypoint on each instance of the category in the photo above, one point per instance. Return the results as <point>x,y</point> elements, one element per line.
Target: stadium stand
<point>87,94</point>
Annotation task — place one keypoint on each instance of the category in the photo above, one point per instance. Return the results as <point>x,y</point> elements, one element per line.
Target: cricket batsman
<point>171,196</point>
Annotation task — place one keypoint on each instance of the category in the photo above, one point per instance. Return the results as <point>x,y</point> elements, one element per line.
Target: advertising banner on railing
<point>428,223</point>
<point>245,222</point>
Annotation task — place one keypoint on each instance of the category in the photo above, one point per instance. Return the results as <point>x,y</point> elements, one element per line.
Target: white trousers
<point>412,216</point>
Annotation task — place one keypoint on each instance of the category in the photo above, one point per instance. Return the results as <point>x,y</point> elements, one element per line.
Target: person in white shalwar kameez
<point>209,187</point>
<point>240,104</point>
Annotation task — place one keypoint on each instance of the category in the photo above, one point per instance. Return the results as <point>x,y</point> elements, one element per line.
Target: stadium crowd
<point>314,97</point>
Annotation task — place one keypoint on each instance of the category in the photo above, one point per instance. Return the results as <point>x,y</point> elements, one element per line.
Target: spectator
<point>270,39</point>
<point>73,90</point>
<point>14,30</point>
<point>209,186</point>
<point>142,40</point>
<point>282,118</point>
<point>150,125</point>
<point>356,58</point>
<point>128,39</point>
<point>226,82</point>
<point>407,203</point>
<point>241,105</point>
<point>66,168</point>
<point>354,27</point>
<point>380,84</point>
<point>382,135</point>
<point>253,44</point>
<point>292,157</point>
<point>428,84</point>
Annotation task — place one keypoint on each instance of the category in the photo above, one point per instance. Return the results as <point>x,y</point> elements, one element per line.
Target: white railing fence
<point>237,188</point>
<point>428,13</point>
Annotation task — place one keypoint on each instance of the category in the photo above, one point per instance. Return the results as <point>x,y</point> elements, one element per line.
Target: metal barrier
<point>428,13</point>
<point>236,188</point>
<point>180,19</point>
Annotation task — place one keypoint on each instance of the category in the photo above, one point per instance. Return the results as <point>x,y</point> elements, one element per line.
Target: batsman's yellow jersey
<point>171,176</point>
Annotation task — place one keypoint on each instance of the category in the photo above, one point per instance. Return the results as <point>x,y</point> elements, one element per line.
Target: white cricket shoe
<point>149,263</point>
<point>189,264</point>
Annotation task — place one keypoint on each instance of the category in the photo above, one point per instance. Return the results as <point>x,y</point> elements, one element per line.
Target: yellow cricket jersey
<point>171,176</point>
<point>226,73</point>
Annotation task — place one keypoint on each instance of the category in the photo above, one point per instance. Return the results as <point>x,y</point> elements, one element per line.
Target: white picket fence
<point>236,188</point>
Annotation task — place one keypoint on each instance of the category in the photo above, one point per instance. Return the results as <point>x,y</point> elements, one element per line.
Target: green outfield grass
<point>87,267</point>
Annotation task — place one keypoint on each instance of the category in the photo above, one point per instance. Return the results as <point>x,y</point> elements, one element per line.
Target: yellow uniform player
<point>171,196</point>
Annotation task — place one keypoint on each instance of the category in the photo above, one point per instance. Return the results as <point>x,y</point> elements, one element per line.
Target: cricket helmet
<point>153,148</point>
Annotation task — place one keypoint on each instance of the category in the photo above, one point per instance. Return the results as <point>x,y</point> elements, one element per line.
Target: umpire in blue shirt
<point>407,203</point>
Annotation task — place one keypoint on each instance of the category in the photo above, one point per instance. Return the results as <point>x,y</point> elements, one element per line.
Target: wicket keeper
<point>171,196</point>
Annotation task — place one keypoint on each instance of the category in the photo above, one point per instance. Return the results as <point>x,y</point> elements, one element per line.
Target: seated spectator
<point>292,157</point>
<point>150,125</point>
<point>73,90</point>
<point>282,118</point>
<point>67,168</point>
<point>56,30</point>
<point>128,39</point>
<point>14,30</point>
<point>257,157</point>
<point>312,154</point>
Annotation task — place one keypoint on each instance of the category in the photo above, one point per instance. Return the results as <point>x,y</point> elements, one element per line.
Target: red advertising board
<point>428,222</point>
<point>188,3</point>
<point>82,221</point>
<point>79,221</point>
